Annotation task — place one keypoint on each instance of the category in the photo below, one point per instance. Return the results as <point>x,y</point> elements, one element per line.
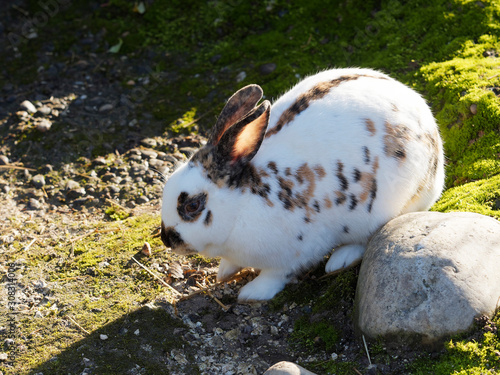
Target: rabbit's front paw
<point>344,257</point>
<point>226,270</point>
<point>263,287</point>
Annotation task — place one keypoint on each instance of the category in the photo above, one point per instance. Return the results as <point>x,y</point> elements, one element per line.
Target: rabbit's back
<point>355,144</point>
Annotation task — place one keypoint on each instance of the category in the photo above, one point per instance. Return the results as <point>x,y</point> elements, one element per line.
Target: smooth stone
<point>425,276</point>
<point>4,160</point>
<point>287,368</point>
<point>105,108</point>
<point>43,125</point>
<point>28,106</point>
<point>268,68</point>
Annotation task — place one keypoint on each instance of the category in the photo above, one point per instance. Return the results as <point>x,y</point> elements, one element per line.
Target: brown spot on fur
<point>370,126</point>
<point>273,167</point>
<point>293,198</point>
<point>341,198</point>
<point>328,202</point>
<point>288,172</point>
<point>369,183</point>
<point>320,171</point>
<point>304,100</point>
<point>395,108</point>
<point>395,140</point>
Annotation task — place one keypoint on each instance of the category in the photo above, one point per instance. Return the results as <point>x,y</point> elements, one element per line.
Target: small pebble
<point>142,199</point>
<point>35,204</point>
<point>4,160</point>
<point>44,110</point>
<point>149,142</point>
<point>43,125</point>
<point>103,337</point>
<point>28,106</point>
<point>38,181</point>
<point>105,108</point>
<point>473,109</point>
<point>267,68</point>
<point>241,76</point>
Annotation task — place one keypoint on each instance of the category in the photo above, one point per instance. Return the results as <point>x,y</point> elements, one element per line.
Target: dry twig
<point>207,290</point>
<point>157,278</point>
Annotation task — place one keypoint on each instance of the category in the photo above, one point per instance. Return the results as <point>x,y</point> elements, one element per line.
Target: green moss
<point>467,109</point>
<point>464,357</point>
<point>482,197</point>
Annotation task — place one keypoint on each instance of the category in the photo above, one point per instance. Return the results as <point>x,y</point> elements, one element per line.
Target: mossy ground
<point>448,50</point>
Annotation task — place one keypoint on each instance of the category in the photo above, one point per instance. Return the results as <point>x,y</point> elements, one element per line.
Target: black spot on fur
<point>208,218</point>
<point>373,195</point>
<point>400,154</point>
<point>344,184</point>
<point>316,206</point>
<point>307,220</point>
<point>346,229</point>
<point>366,155</point>
<point>354,202</point>
<point>299,237</point>
<point>357,175</point>
<point>170,237</point>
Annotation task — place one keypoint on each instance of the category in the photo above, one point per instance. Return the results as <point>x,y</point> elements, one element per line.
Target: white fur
<point>247,231</point>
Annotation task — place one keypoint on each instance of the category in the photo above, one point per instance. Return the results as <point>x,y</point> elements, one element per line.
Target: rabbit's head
<point>201,199</point>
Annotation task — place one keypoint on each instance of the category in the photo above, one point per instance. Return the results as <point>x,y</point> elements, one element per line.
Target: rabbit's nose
<point>170,237</point>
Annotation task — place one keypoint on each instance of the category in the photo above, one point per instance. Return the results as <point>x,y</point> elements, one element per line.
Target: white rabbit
<point>278,187</point>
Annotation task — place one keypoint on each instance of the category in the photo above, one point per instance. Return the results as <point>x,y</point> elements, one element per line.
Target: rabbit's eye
<point>193,207</point>
<point>190,208</point>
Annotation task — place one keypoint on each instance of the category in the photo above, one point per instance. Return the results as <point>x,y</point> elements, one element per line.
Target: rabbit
<point>279,187</point>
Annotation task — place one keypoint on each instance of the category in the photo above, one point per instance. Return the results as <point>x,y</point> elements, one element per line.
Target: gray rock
<point>38,181</point>
<point>105,108</point>
<point>427,275</point>
<point>267,68</point>
<point>287,368</point>
<point>70,184</point>
<point>35,204</point>
<point>142,199</point>
<point>149,154</point>
<point>4,160</point>
<point>76,193</point>
<point>149,142</point>
<point>241,76</point>
<point>28,106</point>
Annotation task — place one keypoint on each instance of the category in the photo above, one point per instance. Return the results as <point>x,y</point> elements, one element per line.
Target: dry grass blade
<point>9,166</point>
<point>78,325</point>
<point>95,231</point>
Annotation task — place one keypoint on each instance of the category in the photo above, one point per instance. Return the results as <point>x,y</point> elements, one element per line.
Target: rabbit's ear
<point>240,142</point>
<point>238,106</point>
